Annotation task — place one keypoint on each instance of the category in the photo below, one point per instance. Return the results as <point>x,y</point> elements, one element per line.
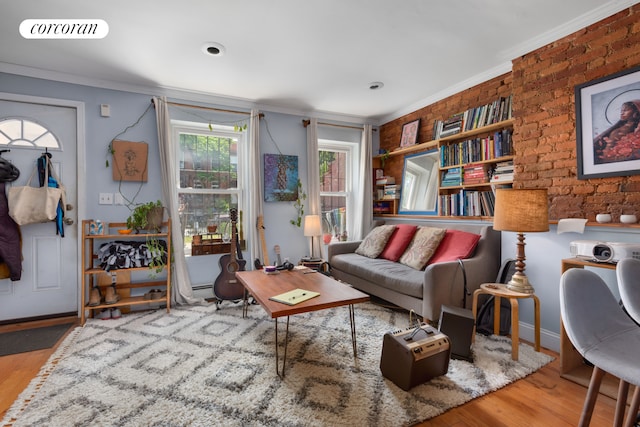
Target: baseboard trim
<point>548,339</point>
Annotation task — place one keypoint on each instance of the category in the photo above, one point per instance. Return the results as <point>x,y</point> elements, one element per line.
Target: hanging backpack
<point>484,321</point>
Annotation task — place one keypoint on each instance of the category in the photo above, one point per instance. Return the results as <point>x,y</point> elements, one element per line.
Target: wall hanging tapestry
<point>280,178</point>
<point>130,161</point>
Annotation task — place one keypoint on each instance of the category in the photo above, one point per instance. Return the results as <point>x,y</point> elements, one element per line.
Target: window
<point>209,179</point>
<point>26,134</point>
<point>337,183</point>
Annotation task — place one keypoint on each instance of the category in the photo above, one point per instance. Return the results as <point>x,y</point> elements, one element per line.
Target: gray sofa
<point>423,291</point>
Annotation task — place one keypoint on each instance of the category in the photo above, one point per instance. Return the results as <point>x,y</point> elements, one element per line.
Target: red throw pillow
<point>398,242</point>
<point>456,244</point>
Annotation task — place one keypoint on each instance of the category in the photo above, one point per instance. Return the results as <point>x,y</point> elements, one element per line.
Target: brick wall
<point>542,83</point>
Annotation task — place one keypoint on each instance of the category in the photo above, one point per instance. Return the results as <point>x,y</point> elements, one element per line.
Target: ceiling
<point>305,57</point>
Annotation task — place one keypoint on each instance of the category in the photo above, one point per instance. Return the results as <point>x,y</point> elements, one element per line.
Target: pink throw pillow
<point>398,242</point>
<point>456,244</point>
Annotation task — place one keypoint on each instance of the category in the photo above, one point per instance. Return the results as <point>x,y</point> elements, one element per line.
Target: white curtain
<point>182,292</point>
<point>254,182</point>
<point>313,178</point>
<point>363,215</point>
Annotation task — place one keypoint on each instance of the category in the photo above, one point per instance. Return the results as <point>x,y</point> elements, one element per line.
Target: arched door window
<point>25,133</point>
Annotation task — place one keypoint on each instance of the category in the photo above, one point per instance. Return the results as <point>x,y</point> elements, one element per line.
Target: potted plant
<point>148,216</point>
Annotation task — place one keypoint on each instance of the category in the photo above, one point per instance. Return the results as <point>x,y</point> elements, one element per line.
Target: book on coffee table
<point>295,296</point>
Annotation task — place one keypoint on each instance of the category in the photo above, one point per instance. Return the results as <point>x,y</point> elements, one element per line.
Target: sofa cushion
<point>384,273</point>
<point>456,244</point>
<point>422,247</point>
<point>398,242</point>
<point>376,240</point>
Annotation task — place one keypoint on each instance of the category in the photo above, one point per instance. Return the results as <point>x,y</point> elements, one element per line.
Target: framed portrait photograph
<point>608,125</point>
<point>409,133</point>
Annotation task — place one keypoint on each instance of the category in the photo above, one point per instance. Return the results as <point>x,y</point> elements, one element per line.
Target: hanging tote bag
<point>32,205</point>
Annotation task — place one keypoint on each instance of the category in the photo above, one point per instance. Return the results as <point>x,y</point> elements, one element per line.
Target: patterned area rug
<point>200,367</point>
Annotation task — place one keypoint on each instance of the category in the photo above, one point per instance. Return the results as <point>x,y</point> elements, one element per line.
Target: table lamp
<point>522,211</point>
<point>312,228</point>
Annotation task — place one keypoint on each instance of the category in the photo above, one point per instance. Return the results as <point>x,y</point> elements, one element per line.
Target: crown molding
<point>507,55</point>
<point>175,93</point>
<point>604,11</point>
<point>451,90</point>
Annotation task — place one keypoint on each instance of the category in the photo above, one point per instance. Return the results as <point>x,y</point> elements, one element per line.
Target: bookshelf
<point>478,149</point>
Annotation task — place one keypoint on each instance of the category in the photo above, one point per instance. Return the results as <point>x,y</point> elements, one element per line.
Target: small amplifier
<point>414,355</point>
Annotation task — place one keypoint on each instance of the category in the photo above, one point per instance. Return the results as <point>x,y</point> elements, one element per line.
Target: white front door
<point>49,282</point>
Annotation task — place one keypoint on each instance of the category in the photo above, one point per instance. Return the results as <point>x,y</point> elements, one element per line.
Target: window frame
<point>352,151</point>
<point>179,127</point>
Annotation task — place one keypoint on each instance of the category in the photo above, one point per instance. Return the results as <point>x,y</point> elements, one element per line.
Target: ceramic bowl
<point>125,231</point>
<point>603,218</point>
<point>628,219</point>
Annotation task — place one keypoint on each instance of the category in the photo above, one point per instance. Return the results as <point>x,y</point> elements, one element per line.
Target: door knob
<point>68,221</point>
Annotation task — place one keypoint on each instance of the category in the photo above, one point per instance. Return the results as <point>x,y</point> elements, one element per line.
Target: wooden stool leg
<point>536,307</point>
<point>621,403</point>
<point>474,310</point>
<point>515,328</point>
<point>632,414</point>
<point>496,315</point>
<point>592,395</point>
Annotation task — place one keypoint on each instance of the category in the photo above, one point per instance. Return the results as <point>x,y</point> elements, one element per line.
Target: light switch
<point>105,110</point>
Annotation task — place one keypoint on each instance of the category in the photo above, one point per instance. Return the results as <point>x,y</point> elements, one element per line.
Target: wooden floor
<point>541,399</point>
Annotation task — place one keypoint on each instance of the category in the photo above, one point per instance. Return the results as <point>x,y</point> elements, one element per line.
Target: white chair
<point>604,335</point>
<point>628,273</point>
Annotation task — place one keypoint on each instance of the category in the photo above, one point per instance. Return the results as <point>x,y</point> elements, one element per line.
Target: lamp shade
<point>312,226</point>
<point>521,210</point>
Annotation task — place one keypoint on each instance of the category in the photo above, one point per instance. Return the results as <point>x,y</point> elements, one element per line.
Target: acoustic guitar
<point>226,286</point>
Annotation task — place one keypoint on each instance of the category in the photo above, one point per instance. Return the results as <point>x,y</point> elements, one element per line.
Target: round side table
<point>499,290</point>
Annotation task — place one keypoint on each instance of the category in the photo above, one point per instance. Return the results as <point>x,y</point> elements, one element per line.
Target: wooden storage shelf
<point>94,276</point>
<point>385,207</point>
<point>446,192</point>
<point>459,136</point>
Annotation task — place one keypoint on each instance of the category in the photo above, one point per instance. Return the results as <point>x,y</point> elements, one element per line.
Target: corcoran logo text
<point>64,29</point>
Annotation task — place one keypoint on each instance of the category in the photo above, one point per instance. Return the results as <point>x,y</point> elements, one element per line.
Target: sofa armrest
<point>444,281</point>
<point>338,248</point>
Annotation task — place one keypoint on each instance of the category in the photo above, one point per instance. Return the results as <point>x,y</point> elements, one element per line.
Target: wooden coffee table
<point>262,286</point>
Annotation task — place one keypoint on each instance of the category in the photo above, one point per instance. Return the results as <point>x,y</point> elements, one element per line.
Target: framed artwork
<point>608,125</point>
<point>280,178</point>
<point>130,161</point>
<point>409,133</point>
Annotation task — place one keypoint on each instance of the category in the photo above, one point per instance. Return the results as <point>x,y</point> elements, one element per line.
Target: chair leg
<point>632,415</point>
<point>621,403</point>
<point>592,395</point>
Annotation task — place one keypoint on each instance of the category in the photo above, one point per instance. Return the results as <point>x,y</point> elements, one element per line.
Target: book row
<point>474,118</point>
<point>477,173</point>
<point>477,149</point>
<point>467,203</point>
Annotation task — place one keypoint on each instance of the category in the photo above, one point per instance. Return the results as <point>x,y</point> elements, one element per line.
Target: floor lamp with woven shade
<point>522,211</point>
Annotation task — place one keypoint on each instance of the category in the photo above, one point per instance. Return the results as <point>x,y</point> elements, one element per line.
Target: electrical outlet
<point>106,199</point>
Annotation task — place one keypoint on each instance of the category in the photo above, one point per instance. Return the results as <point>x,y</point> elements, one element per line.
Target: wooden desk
<point>572,365</point>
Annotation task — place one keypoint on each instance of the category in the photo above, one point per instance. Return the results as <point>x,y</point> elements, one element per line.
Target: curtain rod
<point>306,123</point>
<point>201,107</point>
